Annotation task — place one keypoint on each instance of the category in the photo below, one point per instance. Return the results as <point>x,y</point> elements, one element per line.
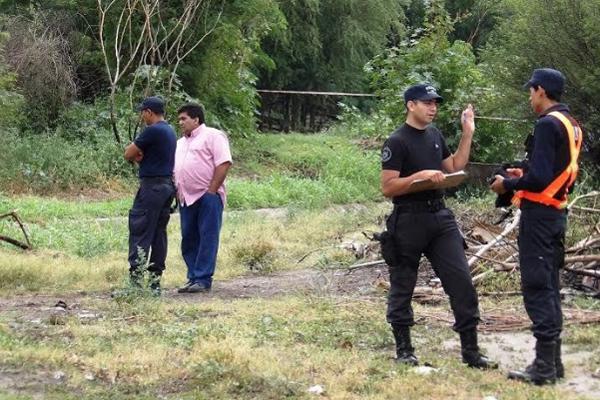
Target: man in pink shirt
<point>202,160</point>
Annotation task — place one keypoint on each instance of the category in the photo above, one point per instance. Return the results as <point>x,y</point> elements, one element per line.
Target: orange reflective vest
<point>567,177</point>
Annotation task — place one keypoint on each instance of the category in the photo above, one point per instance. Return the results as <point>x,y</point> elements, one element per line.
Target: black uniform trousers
<point>148,219</point>
<point>541,256</point>
<point>433,233</point>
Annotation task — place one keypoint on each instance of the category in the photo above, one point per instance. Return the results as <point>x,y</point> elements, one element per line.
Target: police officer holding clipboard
<point>421,223</point>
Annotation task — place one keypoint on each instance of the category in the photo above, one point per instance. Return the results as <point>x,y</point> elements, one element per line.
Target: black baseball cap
<point>423,92</point>
<point>550,79</point>
<point>152,103</point>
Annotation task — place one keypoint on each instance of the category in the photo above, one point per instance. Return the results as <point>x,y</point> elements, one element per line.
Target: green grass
<point>256,348</point>
<point>269,171</point>
<point>43,209</point>
<point>87,254</point>
<point>304,170</point>
<point>245,349</point>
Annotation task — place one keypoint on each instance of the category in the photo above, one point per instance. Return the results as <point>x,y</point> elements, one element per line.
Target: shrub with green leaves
<point>428,56</point>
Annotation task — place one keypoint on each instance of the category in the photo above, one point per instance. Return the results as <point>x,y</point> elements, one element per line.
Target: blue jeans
<point>200,228</point>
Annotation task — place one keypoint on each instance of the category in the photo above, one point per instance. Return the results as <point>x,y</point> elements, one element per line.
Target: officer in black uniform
<point>421,224</point>
<point>154,150</point>
<point>543,219</point>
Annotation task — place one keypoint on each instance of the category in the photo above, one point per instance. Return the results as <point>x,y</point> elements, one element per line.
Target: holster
<point>387,241</point>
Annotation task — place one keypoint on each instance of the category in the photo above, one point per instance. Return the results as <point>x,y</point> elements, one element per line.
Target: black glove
<point>504,200</point>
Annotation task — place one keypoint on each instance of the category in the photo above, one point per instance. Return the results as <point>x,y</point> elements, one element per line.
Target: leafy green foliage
<point>50,163</point>
<point>561,34</point>
<point>429,56</point>
<point>221,73</point>
<point>475,19</point>
<point>11,101</point>
<point>311,171</point>
<point>328,42</point>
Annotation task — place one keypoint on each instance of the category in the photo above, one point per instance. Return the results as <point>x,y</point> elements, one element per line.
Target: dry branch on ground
<point>23,245</point>
<point>493,249</point>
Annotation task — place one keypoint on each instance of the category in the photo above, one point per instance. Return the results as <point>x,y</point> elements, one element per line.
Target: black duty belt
<point>156,179</point>
<point>531,205</point>
<point>434,205</point>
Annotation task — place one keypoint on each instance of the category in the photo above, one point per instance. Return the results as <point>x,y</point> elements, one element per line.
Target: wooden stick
<point>505,232</point>
<point>583,244</point>
<point>583,196</point>
<point>367,264</point>
<point>24,246</point>
<point>15,242</point>
<point>504,264</point>
<point>586,209</point>
<point>586,258</point>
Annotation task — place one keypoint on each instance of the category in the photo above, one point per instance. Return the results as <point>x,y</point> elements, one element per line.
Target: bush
<point>49,163</point>
<point>452,68</point>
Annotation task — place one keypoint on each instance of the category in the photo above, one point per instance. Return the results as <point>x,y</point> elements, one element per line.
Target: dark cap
<point>421,92</point>
<point>153,103</point>
<point>550,79</point>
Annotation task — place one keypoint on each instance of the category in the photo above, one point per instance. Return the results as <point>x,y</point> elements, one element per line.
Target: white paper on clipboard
<point>452,180</point>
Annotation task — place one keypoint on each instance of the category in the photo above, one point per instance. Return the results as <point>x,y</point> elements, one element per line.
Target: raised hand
<point>468,120</point>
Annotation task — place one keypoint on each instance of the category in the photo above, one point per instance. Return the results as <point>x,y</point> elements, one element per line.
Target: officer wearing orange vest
<point>541,189</point>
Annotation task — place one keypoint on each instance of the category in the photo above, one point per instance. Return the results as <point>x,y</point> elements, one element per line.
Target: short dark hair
<point>552,95</point>
<point>193,110</point>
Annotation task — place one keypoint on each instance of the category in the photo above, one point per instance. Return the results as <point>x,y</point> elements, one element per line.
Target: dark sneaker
<point>184,288</point>
<point>197,288</point>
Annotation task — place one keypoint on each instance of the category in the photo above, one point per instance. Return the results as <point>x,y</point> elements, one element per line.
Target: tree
<point>326,46</point>
<point>428,55</point>
<point>147,33</point>
<point>561,34</point>
<point>222,72</point>
<point>38,52</point>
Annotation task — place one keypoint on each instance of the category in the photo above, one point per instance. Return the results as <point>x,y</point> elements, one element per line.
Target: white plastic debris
<point>89,376</point>
<point>316,389</point>
<point>423,370</point>
<point>59,375</point>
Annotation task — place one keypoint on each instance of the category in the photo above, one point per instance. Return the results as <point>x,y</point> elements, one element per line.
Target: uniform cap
<point>422,92</point>
<point>550,79</point>
<point>152,103</point>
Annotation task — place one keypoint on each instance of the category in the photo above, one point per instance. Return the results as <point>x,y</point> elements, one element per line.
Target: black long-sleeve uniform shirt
<point>548,154</point>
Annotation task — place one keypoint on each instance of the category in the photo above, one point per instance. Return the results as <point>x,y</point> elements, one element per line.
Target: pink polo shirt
<point>196,158</point>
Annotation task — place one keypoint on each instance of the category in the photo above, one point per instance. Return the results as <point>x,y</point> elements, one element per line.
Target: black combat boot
<point>404,350</point>
<point>542,370</point>
<point>560,368</point>
<point>470,351</point>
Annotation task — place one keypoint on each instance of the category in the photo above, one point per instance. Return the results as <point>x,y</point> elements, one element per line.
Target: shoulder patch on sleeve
<point>386,154</point>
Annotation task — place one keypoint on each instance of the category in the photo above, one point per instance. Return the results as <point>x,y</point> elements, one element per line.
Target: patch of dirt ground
<point>515,350</point>
<point>502,335</point>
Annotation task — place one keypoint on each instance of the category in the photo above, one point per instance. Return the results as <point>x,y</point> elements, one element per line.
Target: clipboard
<point>452,180</point>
